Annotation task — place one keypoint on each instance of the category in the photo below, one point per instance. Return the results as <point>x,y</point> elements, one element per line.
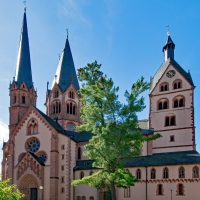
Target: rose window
<point>43,157</point>
<point>34,145</point>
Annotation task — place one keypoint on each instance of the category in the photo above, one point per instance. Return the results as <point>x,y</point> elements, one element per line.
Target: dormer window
<point>164,87</point>
<point>177,84</point>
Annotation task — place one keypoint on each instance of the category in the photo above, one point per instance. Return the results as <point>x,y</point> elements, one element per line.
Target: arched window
<point>167,121</point>
<point>81,175</point>
<point>153,174</point>
<point>71,95</point>
<point>181,103</point>
<point>91,198</point>
<point>79,153</point>
<point>181,172</point>
<point>32,127</point>
<point>176,104</point>
<point>15,99</point>
<point>164,87</point>
<point>23,99</point>
<point>127,192</point>
<point>71,108</point>
<point>160,189</point>
<point>195,172</point>
<point>56,108</point>
<point>180,189</point>
<point>172,121</point>
<point>165,105</point>
<point>138,174</point>
<point>165,173</point>
<point>175,85</point>
<point>160,106</point>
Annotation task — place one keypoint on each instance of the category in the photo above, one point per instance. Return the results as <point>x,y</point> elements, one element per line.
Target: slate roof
<point>23,67</point>
<point>168,41</point>
<point>83,136</point>
<point>159,159</point>
<point>38,159</point>
<point>4,144</point>
<point>66,73</point>
<point>162,69</point>
<point>54,124</point>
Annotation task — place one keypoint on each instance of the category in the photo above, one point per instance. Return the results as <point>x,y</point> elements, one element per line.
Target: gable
<point>180,74</point>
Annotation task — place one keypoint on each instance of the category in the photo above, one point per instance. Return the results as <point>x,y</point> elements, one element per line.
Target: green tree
<point>114,125</point>
<point>9,192</point>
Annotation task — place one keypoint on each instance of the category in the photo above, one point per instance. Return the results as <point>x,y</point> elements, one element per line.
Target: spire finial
<point>67,32</point>
<point>24,5</point>
<point>168,32</point>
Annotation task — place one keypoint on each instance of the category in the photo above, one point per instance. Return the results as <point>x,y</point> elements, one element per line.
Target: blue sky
<point>126,37</point>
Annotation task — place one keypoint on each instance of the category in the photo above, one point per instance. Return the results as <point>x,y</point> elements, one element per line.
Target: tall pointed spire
<point>168,48</point>
<point>23,68</point>
<point>66,73</point>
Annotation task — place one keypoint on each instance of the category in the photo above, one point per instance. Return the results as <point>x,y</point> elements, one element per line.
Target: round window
<point>34,145</point>
<point>70,127</point>
<point>43,157</point>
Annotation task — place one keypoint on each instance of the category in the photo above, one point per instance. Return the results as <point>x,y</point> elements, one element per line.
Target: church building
<point>44,151</point>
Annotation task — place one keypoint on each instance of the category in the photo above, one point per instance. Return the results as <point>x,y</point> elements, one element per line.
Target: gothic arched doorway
<point>29,187</point>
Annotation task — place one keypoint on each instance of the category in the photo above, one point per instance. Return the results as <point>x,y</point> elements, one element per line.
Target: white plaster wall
<point>182,137</point>
<point>84,190</point>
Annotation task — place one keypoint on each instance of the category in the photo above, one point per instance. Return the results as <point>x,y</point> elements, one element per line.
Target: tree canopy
<point>9,192</point>
<point>114,125</point>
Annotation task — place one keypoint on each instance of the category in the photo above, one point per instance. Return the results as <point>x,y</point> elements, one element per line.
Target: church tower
<point>62,99</point>
<point>172,105</point>
<point>22,92</point>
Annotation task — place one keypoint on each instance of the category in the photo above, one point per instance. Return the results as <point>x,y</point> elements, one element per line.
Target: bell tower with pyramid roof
<point>62,102</point>
<point>22,92</point>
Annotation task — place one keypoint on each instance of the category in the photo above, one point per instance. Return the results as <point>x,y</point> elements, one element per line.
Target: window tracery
<point>32,127</point>
<point>195,172</point>
<point>32,145</point>
<point>165,173</point>
<point>71,94</point>
<point>71,108</point>
<point>56,107</point>
<point>181,172</point>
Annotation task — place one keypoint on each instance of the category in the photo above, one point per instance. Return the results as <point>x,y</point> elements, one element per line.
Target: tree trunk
<point>113,192</point>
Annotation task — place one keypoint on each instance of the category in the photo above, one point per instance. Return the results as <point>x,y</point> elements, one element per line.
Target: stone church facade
<point>45,150</point>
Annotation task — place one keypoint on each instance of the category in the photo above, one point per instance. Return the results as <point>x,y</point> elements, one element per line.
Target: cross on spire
<point>67,32</point>
<point>168,32</point>
<point>24,5</point>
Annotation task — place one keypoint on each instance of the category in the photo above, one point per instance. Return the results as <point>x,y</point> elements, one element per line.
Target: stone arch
<point>27,182</point>
<point>32,127</point>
